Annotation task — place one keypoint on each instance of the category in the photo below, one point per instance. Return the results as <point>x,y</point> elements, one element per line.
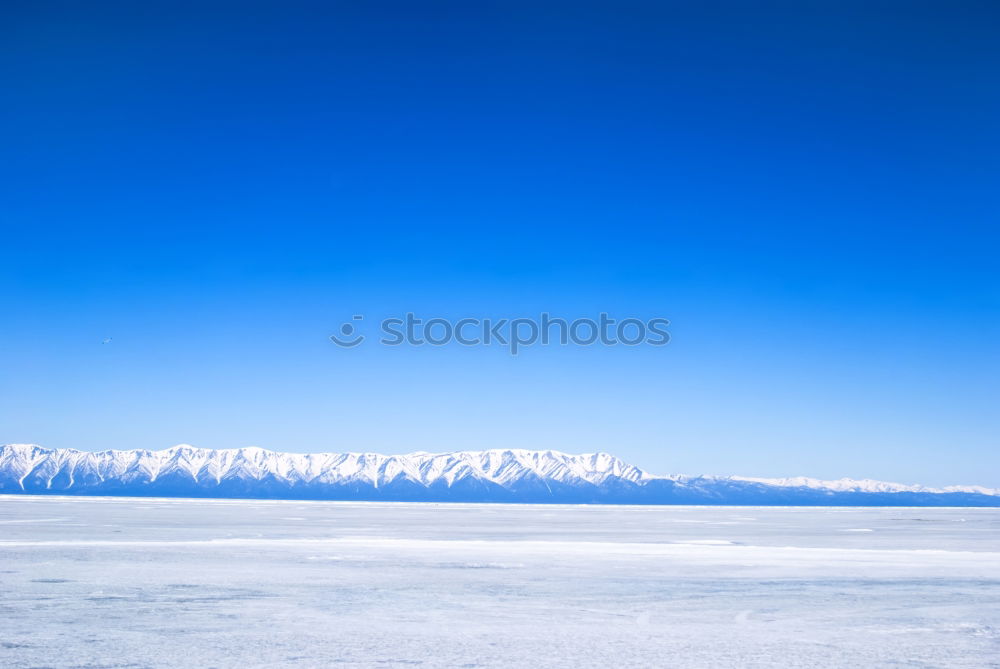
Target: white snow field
<point>127,582</point>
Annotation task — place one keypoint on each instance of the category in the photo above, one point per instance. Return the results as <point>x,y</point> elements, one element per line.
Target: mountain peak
<point>494,475</point>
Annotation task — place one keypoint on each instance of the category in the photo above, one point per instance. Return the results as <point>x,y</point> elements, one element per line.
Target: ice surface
<point>101,582</point>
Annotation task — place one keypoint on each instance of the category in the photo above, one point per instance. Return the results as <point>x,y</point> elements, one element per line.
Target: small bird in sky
<point>107,341</point>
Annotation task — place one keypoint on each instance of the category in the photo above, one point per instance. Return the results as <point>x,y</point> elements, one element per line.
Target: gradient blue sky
<point>808,191</point>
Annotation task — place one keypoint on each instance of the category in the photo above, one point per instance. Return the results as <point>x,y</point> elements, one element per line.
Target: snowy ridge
<point>204,465</point>
<point>865,485</point>
<point>515,475</point>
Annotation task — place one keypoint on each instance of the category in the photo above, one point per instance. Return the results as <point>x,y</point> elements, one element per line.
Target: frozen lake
<point>100,582</point>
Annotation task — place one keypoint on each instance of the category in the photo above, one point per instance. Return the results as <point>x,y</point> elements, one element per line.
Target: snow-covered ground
<point>101,582</point>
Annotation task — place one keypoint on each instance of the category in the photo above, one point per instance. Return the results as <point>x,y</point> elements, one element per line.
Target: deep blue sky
<point>809,191</point>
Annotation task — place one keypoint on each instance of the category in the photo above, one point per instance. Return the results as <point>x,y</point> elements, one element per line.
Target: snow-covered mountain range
<point>512,475</point>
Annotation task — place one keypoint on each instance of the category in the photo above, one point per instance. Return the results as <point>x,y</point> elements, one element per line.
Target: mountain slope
<point>512,475</point>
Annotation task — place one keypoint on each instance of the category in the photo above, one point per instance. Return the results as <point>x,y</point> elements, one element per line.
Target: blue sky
<point>806,190</point>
